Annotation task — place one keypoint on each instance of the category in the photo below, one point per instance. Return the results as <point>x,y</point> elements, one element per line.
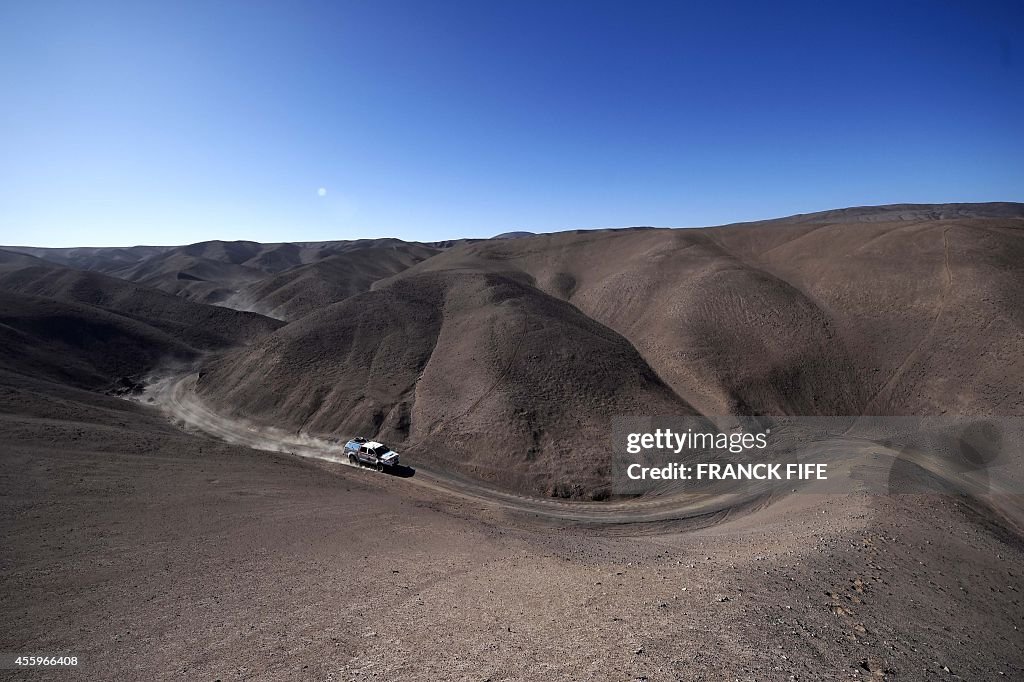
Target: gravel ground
<point>155,554</point>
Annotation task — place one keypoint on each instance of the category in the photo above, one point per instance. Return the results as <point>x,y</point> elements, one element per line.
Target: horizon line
<point>901,205</point>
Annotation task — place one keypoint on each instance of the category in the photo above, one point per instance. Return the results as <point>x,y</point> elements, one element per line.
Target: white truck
<point>361,451</point>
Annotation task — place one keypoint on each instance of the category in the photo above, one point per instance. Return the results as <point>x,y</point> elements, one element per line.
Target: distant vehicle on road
<point>361,451</point>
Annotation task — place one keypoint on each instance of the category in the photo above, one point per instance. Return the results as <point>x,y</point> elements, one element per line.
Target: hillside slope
<point>242,274</point>
<point>98,258</point>
<point>73,328</point>
<point>300,290</point>
<point>505,359</point>
<point>201,326</point>
<point>79,345</point>
<point>911,317</point>
<point>479,373</point>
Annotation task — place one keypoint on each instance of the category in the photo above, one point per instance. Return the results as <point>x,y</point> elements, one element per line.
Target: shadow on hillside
<point>401,471</point>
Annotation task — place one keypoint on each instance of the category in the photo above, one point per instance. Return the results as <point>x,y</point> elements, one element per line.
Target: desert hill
<point>297,291</point>
<point>909,317</point>
<point>504,359</point>
<point>239,273</point>
<point>13,260</point>
<point>99,258</point>
<point>242,274</point>
<point>202,326</point>
<point>906,212</point>
<point>264,257</point>
<point>191,276</point>
<point>480,373</point>
<point>862,317</point>
<point>79,345</point>
<point>89,330</point>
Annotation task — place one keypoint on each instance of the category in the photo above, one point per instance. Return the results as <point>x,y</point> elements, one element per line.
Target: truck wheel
<point>353,461</point>
<point>380,467</point>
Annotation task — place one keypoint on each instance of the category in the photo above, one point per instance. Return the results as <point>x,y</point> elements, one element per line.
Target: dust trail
<point>176,397</point>
<point>244,302</point>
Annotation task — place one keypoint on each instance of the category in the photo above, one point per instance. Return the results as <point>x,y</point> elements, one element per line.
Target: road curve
<point>176,397</point>
<point>849,458</point>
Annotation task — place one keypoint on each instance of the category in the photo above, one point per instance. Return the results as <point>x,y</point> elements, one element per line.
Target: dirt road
<point>175,397</point>
<point>847,457</point>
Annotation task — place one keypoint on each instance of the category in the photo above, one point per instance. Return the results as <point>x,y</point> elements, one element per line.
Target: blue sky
<point>170,123</point>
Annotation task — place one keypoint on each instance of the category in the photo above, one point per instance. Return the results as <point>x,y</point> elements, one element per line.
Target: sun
<point>322,192</point>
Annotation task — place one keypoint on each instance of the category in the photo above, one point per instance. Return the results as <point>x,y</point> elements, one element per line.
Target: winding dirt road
<point>175,395</point>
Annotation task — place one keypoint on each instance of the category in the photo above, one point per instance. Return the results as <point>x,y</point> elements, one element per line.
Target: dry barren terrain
<point>173,506</point>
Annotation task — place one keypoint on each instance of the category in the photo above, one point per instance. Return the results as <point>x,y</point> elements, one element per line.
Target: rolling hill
<point>504,360</point>
<point>908,317</point>
<point>478,373</point>
<point>79,345</point>
<point>300,290</point>
<point>89,330</point>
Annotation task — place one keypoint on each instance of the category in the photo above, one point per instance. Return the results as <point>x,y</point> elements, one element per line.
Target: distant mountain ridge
<point>905,212</point>
<point>241,274</point>
<point>106,257</point>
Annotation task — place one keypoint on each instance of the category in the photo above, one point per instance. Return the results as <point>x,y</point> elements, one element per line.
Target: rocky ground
<point>156,554</point>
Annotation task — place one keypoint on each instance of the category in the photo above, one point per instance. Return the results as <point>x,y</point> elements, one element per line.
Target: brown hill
<point>13,260</point>
<point>478,373</point>
<point>79,345</point>
<point>274,258</point>
<point>911,317</point>
<point>241,274</point>
<point>99,258</point>
<point>200,326</point>
<point>505,359</point>
<point>802,318</point>
<point>193,277</point>
<point>906,212</point>
<point>293,293</point>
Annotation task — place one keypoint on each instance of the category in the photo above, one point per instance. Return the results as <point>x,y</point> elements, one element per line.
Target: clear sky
<point>174,122</point>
